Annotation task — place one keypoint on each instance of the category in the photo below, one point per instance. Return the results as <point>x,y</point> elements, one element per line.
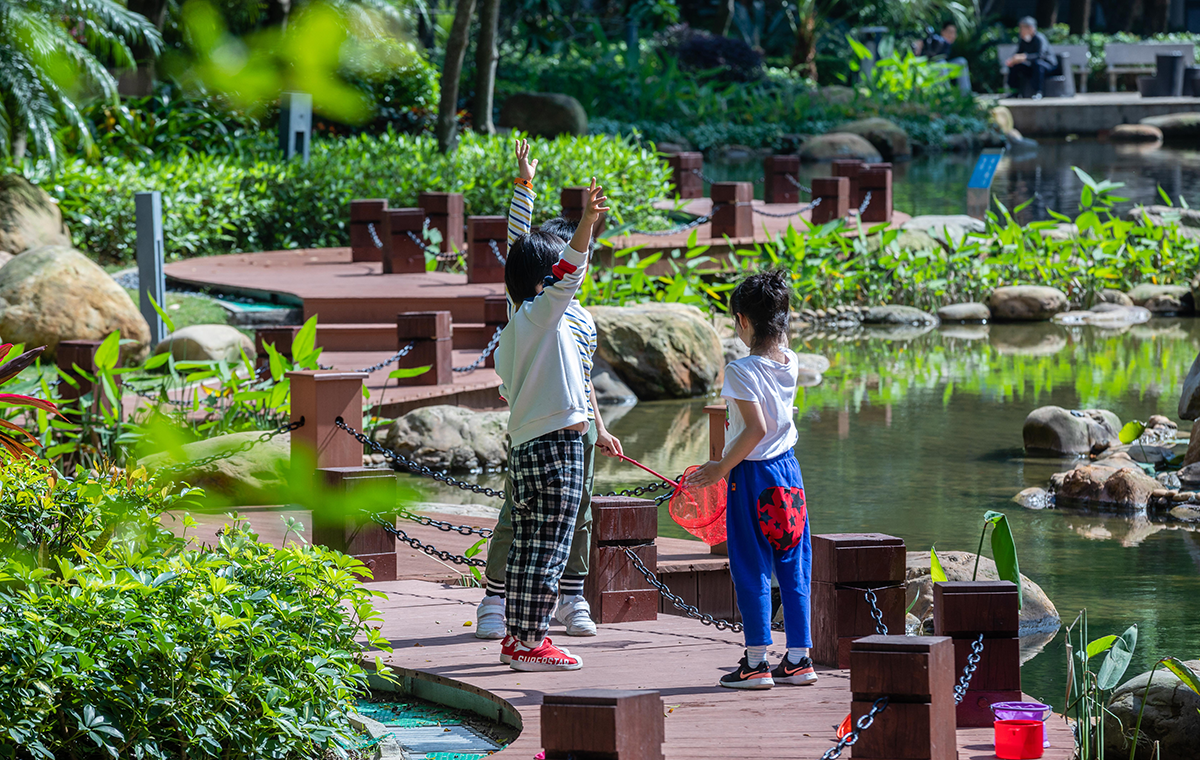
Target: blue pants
<point>752,557</point>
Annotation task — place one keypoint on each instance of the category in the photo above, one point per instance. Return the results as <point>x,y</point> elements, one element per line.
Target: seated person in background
<point>1034,58</point>
<point>938,44</point>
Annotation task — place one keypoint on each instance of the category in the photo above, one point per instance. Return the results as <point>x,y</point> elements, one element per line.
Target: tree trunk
<point>724,17</point>
<point>18,146</point>
<point>486,57</point>
<point>1047,13</point>
<point>804,53</point>
<point>456,47</point>
<point>1081,16</point>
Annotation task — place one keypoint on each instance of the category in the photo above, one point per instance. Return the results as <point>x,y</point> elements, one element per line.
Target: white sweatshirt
<point>538,360</point>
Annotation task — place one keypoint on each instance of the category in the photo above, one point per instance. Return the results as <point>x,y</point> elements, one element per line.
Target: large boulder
<point>1038,613</point>
<point>545,114</point>
<point>971,311</point>
<point>1054,431</point>
<point>611,390</point>
<point>1115,484</point>
<point>889,139</point>
<point>660,350</point>
<point>447,437</point>
<point>29,218</point>
<point>1135,133</point>
<point>1026,303</point>
<point>896,314</point>
<point>207,343</point>
<point>1170,722</point>
<point>1114,296</point>
<point>1176,126</point>
<point>1003,118</point>
<point>1189,398</point>
<point>254,476</point>
<point>55,293</point>
<point>947,228</point>
<point>838,145</point>
<point>1162,299</point>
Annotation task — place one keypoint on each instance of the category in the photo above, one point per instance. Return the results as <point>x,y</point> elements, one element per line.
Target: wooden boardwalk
<point>426,616</point>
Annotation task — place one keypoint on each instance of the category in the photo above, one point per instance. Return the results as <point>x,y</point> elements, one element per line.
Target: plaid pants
<point>547,484</point>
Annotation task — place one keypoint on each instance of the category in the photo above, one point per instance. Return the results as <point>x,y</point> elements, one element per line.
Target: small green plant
<point>1088,689</point>
<point>1004,550</point>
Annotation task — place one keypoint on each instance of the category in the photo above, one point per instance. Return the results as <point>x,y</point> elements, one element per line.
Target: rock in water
<point>1052,430</point>
<point>544,114</point>
<point>1038,613</point>
<point>1003,118</point>
<point>895,314</point>
<point>885,135</point>
<point>838,145</point>
<point>1034,498</point>
<point>1146,292</point>
<point>1111,485</point>
<point>1135,133</point>
<point>451,438</point>
<point>970,311</point>
<point>207,343</point>
<point>660,350</point>
<point>1113,296</point>
<point>29,218</point>
<point>611,390</point>
<point>1170,720</point>
<point>55,293</point>
<point>1026,303</point>
<point>254,476</point>
<point>1176,125</point>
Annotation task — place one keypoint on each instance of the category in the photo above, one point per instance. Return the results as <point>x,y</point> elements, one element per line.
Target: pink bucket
<point>1024,711</point>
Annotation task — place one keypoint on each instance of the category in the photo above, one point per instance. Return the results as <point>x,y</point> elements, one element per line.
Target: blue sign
<point>985,168</point>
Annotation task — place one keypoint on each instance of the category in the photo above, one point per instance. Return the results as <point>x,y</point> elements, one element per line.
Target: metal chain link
<point>415,467</point>
<point>640,490</point>
<point>491,346</point>
<point>860,725</point>
<point>266,436</point>
<point>866,202</point>
<point>441,525</point>
<point>796,182</point>
<point>390,360</point>
<point>704,176</point>
<point>432,551</point>
<point>374,235</point>
<point>816,202</point>
<point>876,613</point>
<point>679,228</point>
<point>158,398</point>
<point>964,683</point>
<point>496,252</point>
<point>425,248</point>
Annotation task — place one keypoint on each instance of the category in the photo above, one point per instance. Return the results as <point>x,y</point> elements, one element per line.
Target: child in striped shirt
<point>573,610</point>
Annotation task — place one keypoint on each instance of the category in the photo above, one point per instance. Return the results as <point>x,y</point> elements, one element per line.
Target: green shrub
<point>220,204</point>
<point>146,648</point>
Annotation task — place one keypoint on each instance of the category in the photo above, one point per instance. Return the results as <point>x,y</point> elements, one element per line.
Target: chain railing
<point>800,187</point>
<point>705,177</point>
<point>487,351</point>
<point>862,207</point>
<point>680,227</point>
<point>446,527</point>
<point>808,207</point>
<point>426,248</point>
<point>876,613</point>
<point>246,446</point>
<point>496,252</point>
<point>432,551</point>
<point>964,682</point>
<point>860,725</point>
<point>374,235</point>
<point>388,361</point>
<point>159,398</point>
<point>640,490</point>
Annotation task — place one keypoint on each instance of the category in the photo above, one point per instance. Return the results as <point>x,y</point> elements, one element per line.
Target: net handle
<point>636,463</point>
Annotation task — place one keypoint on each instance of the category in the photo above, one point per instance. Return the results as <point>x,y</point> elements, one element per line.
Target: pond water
<point>937,183</point>
<point>919,437</point>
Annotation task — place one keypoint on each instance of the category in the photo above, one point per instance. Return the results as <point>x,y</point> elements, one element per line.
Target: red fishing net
<point>700,511</point>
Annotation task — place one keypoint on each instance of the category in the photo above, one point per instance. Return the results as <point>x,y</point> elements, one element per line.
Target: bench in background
<point>1077,61</point>
<point>1139,58</point>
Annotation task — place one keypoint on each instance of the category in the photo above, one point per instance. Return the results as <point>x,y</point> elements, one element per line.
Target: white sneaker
<point>489,618</point>
<point>575,613</point>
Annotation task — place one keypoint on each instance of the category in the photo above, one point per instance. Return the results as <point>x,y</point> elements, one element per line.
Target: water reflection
<point>936,184</point>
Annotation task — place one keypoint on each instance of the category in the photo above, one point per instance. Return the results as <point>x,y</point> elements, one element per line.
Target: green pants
<point>581,542</point>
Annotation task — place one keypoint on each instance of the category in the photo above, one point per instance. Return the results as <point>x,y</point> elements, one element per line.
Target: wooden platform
<point>1089,113</point>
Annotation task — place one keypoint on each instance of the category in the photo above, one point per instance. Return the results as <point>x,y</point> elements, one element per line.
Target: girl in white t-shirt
<point>766,516</point>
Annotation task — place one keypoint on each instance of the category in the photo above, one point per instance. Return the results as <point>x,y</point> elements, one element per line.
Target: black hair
<point>766,300</point>
<point>565,229</point>
<point>948,22</point>
<point>530,259</point>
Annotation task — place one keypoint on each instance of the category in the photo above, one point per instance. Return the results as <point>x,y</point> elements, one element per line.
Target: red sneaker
<point>544,657</point>
<point>506,649</point>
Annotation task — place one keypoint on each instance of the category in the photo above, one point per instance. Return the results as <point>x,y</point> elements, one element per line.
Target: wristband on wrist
<point>523,183</point>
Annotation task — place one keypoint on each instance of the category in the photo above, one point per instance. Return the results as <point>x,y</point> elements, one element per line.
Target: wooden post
<point>320,397</point>
<point>431,333</point>
<point>495,317</point>
<point>844,565</point>
<point>279,336</point>
<point>338,525</point>
<point>781,176</point>
<point>603,724</point>
<point>72,353</point>
<point>877,182</point>
<point>916,674</point>
<point>834,193</point>
<point>849,168</point>
<point>963,611</point>
<point>717,425</point>
<point>405,255</point>
<point>732,215</point>
<point>573,199</point>
<point>444,212</point>
<point>363,215</point>
<point>482,263</point>
<point>685,168</point>
<point>615,589</point>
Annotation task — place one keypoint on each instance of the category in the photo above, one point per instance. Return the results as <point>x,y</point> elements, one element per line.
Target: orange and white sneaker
<point>801,674</point>
<point>506,649</point>
<point>544,657</point>
<point>748,676</point>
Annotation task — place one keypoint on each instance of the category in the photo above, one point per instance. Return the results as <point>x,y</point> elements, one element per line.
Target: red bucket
<point>1019,739</point>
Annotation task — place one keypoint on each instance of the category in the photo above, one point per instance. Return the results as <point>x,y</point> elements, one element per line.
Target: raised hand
<point>594,206</point>
<point>526,169</point>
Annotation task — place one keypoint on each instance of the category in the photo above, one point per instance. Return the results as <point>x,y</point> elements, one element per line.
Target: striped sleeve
<point>520,212</point>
